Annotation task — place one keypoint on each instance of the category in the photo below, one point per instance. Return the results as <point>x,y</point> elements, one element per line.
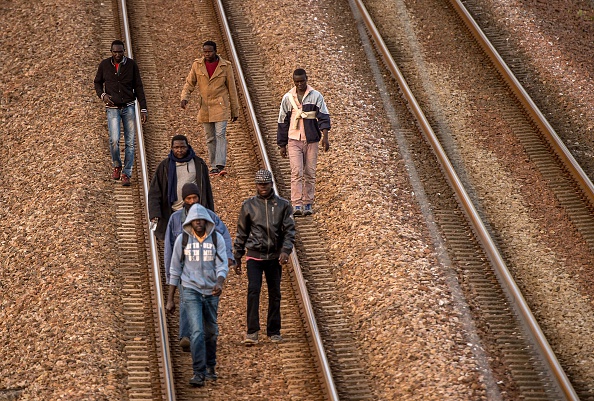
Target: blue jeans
<point>216,142</point>
<point>115,117</point>
<point>201,312</point>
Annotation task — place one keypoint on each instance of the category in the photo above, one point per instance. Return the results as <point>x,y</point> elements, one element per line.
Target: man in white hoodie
<point>199,261</point>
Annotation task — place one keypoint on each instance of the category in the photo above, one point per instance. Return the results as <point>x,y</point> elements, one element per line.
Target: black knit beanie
<point>190,189</point>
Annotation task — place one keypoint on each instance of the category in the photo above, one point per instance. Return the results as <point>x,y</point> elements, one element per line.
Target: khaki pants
<point>303,157</point>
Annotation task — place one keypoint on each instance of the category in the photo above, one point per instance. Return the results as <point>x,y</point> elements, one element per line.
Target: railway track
<point>522,373</point>
<point>148,347</point>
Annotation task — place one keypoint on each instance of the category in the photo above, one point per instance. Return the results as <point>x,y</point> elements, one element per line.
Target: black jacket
<point>124,86</point>
<point>158,201</point>
<point>265,227</point>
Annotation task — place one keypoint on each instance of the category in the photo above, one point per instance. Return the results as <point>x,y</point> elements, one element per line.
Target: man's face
<point>199,226</point>
<point>117,52</point>
<point>300,82</point>
<point>190,200</point>
<point>209,54</point>
<point>264,190</point>
<point>179,148</point>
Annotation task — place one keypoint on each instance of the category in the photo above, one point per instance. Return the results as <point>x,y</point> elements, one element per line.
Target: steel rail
<point>158,291</point>
<point>539,119</point>
<point>510,286</point>
<point>323,365</point>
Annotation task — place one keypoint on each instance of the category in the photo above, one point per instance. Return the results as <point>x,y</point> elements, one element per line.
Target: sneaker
<point>211,374</point>
<point>222,171</point>
<point>197,380</point>
<point>307,210</point>
<point>214,171</point>
<point>276,338</point>
<point>251,338</point>
<point>297,211</point>
<point>116,173</point>
<point>184,343</point>
<point>125,180</point>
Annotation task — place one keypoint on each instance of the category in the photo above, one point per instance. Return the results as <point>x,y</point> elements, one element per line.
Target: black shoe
<point>197,381</point>
<point>211,374</point>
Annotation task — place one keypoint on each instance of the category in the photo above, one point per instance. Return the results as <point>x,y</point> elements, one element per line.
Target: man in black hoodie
<point>118,84</point>
<point>267,230</point>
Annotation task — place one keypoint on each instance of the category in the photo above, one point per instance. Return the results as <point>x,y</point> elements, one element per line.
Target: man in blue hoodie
<point>191,196</point>
<point>199,264</point>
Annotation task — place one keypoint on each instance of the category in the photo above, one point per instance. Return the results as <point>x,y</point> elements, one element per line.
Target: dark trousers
<point>273,271</point>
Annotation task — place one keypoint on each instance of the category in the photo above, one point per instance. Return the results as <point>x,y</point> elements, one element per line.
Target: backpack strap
<point>184,244</point>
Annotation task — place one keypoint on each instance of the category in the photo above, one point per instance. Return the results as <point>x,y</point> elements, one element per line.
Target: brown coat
<point>217,99</point>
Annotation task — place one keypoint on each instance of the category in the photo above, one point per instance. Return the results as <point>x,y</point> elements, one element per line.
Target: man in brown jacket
<point>217,102</point>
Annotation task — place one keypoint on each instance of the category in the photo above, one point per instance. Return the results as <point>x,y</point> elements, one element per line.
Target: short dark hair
<point>210,43</point>
<point>179,138</point>
<point>299,72</point>
<point>117,42</point>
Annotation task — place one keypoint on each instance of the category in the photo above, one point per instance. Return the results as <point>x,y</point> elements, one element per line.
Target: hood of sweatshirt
<point>197,211</point>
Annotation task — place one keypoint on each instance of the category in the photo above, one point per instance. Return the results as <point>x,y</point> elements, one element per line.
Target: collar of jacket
<point>217,71</point>
<point>123,61</point>
<point>293,92</point>
<point>271,197</point>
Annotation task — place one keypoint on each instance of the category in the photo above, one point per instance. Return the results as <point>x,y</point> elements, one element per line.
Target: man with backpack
<point>199,266</point>
<point>190,195</point>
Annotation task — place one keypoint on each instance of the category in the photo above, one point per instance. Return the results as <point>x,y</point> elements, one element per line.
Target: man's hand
<point>283,258</point>
<point>107,100</point>
<point>325,141</point>
<point>183,104</point>
<point>218,288</point>
<point>238,266</point>
<point>283,151</point>
<point>143,116</point>
<point>170,306</point>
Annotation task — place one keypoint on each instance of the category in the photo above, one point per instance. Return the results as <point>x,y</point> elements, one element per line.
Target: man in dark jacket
<point>118,84</point>
<point>267,230</point>
<point>165,193</point>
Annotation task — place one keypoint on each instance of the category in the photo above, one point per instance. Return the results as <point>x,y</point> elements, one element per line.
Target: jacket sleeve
<point>156,189</point>
<point>323,114</point>
<point>168,245</point>
<point>284,121</point>
<point>138,88</point>
<point>221,266</point>
<point>233,98</point>
<point>221,228</point>
<point>99,80</point>
<point>206,198</point>
<point>288,230</point>
<point>176,263</point>
<point>243,230</point>
<point>190,84</point>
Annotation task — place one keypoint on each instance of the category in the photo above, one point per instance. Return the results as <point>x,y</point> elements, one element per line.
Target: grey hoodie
<point>200,267</point>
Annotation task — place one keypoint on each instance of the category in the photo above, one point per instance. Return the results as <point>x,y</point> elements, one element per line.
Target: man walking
<point>303,120</point>
<point>267,230</point>
<point>199,267</point>
<point>191,196</point>
<point>217,102</point>
<point>118,84</point>
<point>165,192</point>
